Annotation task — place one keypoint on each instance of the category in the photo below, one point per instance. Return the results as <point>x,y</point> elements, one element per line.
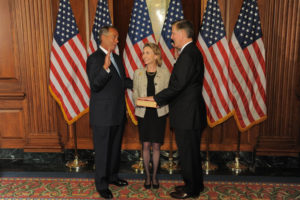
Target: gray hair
<point>104,30</point>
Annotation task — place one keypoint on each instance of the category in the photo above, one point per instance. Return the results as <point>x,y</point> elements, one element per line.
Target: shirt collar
<point>104,50</point>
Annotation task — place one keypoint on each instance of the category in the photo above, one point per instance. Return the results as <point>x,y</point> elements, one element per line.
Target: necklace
<point>151,73</point>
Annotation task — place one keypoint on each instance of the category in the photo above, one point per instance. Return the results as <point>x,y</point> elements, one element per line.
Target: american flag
<point>174,13</point>
<point>139,32</point>
<point>69,84</point>
<point>247,67</point>
<point>102,18</point>
<point>213,44</point>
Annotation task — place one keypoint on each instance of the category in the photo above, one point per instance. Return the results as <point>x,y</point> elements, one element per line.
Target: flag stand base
<point>75,164</point>
<point>138,167</point>
<point>207,167</point>
<point>170,166</point>
<point>236,166</point>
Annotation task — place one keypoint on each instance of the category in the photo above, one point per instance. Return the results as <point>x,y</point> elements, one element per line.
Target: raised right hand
<point>107,61</point>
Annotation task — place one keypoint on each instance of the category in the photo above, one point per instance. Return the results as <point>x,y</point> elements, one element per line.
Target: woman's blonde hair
<point>156,50</point>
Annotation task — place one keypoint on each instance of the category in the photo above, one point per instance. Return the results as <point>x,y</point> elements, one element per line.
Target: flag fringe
<point>233,113</point>
<point>64,114</point>
<point>221,120</point>
<point>131,115</point>
<point>263,118</point>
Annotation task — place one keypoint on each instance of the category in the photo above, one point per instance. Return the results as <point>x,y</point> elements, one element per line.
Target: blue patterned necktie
<point>114,63</point>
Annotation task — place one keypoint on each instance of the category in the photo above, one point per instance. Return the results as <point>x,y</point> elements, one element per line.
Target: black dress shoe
<point>182,195</point>
<point>179,188</point>
<point>119,183</point>
<point>155,186</point>
<point>147,186</point>
<point>106,194</point>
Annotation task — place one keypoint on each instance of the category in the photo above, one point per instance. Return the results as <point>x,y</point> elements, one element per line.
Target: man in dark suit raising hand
<point>187,108</point>
<point>107,79</point>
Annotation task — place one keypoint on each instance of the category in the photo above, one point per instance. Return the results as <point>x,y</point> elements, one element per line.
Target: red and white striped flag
<point>213,44</point>
<point>139,32</point>
<point>247,68</point>
<point>69,83</point>
<point>102,18</point>
<point>174,13</point>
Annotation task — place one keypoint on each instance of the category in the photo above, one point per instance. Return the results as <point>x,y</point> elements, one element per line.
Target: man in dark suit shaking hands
<point>187,108</point>
<point>107,79</point>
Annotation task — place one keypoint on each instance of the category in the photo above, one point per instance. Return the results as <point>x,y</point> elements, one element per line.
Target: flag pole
<point>87,23</point>
<point>170,165</point>
<point>235,165</point>
<point>76,163</point>
<point>139,165</point>
<point>207,165</point>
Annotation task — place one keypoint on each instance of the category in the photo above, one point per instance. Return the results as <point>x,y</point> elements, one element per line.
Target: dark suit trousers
<point>188,142</point>
<point>107,145</point>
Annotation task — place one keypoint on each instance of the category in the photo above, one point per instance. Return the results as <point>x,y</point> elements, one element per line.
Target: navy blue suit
<point>107,115</point>
<point>187,113</point>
